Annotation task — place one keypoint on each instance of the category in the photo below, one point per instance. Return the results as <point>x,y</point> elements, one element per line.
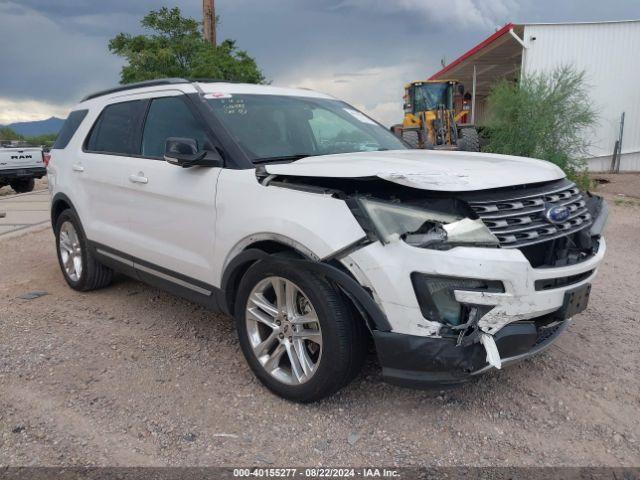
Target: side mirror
<point>461,89</point>
<point>184,153</point>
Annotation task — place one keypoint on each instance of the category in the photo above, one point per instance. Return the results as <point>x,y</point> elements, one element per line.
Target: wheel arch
<point>59,204</point>
<point>362,302</point>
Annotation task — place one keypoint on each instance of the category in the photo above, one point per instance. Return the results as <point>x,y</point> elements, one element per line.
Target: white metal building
<point>607,51</point>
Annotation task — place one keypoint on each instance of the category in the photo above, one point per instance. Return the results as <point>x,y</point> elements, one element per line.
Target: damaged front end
<point>468,280</point>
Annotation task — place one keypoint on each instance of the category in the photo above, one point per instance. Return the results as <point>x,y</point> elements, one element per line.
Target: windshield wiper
<point>284,158</point>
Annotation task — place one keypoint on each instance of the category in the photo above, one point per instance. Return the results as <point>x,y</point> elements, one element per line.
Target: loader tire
<point>469,140</point>
<point>412,138</point>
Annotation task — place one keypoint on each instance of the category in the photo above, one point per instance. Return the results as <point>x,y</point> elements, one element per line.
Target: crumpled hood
<point>450,171</point>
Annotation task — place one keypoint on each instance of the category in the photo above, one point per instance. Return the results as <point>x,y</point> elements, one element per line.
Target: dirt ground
<point>130,375</point>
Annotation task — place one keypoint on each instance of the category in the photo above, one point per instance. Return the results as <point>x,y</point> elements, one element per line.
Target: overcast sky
<point>52,52</point>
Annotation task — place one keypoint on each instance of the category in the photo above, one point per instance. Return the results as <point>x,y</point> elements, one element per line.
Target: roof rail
<point>130,86</point>
<point>212,80</point>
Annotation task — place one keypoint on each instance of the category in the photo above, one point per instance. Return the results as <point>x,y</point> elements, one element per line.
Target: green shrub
<point>546,116</point>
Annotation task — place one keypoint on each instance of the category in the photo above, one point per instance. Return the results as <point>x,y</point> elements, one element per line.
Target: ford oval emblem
<point>558,214</point>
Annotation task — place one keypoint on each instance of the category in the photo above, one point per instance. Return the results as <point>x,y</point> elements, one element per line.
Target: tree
<point>547,116</point>
<point>44,140</point>
<point>177,48</point>
<point>7,133</point>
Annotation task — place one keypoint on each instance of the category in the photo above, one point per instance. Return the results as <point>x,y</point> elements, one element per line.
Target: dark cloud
<point>56,51</point>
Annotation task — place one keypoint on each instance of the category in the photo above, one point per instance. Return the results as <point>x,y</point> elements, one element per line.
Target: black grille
<point>519,220</point>
<point>550,283</point>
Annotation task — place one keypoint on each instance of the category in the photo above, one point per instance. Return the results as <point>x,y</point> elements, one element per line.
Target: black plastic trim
<point>415,362</point>
<point>163,277</point>
<point>29,172</point>
<point>61,197</point>
<point>352,288</point>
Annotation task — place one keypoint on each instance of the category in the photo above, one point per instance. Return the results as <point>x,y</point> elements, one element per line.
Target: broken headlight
<point>426,228</point>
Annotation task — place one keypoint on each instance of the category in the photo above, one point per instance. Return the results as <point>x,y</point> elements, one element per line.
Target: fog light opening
<point>436,296</point>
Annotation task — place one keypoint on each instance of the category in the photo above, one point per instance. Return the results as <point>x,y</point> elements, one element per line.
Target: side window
<point>169,117</point>
<point>116,129</point>
<point>69,128</point>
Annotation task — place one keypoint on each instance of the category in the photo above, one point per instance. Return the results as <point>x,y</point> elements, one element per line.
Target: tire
<point>89,274</point>
<point>469,140</point>
<point>331,364</point>
<point>412,137</point>
<point>23,186</point>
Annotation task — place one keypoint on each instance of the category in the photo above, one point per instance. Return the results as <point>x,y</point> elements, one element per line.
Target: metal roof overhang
<point>498,56</point>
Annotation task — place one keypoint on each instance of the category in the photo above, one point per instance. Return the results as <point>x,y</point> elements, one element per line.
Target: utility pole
<point>209,20</point>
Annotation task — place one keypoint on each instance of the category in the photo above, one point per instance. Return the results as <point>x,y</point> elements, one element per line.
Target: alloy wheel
<point>284,330</point>
<point>70,251</point>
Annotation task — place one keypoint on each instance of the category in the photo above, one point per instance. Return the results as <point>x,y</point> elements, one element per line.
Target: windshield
<point>429,96</point>
<point>272,126</point>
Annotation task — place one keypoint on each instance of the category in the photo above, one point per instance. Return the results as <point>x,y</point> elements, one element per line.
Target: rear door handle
<point>139,178</point>
<point>77,167</point>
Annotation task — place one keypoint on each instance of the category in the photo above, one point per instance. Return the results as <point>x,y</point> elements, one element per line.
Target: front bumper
<point>386,271</point>
<point>524,319</point>
<point>412,361</point>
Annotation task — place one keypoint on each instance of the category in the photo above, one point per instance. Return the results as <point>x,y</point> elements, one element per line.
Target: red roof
<point>504,30</point>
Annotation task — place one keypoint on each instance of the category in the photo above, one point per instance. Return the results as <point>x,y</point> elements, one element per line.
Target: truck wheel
<point>297,331</point>
<point>469,140</point>
<point>23,185</point>
<point>79,267</point>
<point>412,138</point>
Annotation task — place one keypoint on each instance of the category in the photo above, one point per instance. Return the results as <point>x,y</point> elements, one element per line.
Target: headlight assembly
<point>424,227</point>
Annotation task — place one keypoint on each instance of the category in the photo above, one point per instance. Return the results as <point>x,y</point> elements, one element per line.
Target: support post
<point>473,97</point>
<point>209,21</point>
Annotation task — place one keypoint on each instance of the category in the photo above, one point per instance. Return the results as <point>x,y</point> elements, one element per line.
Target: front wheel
<point>297,332</point>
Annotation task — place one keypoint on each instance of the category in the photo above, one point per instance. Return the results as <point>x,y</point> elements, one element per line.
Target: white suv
<point>319,230</point>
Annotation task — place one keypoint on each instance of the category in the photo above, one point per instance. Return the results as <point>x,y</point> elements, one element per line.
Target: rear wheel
<point>297,332</point>
<point>80,268</point>
<point>469,140</point>
<point>23,185</point>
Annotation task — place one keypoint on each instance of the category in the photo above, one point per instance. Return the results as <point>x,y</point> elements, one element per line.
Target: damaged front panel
<point>440,266</point>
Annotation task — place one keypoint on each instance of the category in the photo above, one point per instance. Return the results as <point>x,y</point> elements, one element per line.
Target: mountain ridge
<point>50,125</point>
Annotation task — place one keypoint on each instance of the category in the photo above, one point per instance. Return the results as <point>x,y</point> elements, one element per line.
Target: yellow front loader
<point>430,120</point>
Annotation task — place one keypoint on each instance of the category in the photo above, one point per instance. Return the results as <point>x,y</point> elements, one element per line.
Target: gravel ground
<point>130,375</point>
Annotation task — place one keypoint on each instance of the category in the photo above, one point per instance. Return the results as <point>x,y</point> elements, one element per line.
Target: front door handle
<point>139,178</point>
<point>77,167</point>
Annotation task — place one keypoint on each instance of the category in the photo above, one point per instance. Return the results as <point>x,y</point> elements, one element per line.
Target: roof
<point>486,42</point>
<point>603,22</point>
<point>202,85</point>
<point>500,53</point>
<point>497,56</point>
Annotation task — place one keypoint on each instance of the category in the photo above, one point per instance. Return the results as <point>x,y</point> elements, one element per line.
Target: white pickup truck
<point>19,167</point>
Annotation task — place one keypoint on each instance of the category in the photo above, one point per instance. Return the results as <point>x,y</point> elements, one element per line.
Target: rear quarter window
<point>117,129</point>
<point>69,128</point>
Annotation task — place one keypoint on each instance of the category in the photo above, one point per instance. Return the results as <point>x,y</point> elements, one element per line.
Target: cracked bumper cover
<point>413,361</point>
<point>386,270</point>
<point>523,319</point>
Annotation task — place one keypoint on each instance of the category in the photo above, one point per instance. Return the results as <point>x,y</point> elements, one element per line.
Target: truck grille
<point>519,220</point>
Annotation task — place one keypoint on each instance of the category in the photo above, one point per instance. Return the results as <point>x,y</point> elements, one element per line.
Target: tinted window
<point>69,128</point>
<point>169,117</point>
<point>116,129</point>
